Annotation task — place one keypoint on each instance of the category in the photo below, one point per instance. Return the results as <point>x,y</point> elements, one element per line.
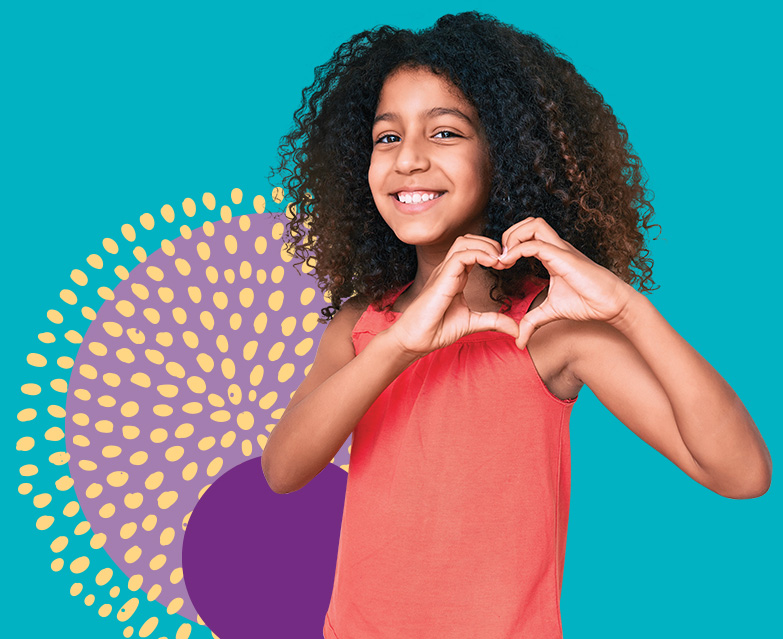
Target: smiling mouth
<point>416,197</point>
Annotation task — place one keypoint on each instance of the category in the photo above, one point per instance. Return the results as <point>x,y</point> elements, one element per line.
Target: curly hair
<point>556,148</point>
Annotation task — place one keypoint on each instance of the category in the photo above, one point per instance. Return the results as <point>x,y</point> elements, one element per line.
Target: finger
<point>464,242</point>
<point>491,321</point>
<point>530,229</point>
<point>548,254</point>
<point>532,321</point>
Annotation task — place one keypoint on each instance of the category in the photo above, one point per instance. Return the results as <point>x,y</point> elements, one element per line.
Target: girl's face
<point>429,172</point>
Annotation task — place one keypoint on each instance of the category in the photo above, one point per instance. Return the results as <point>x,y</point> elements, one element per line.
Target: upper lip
<point>417,189</point>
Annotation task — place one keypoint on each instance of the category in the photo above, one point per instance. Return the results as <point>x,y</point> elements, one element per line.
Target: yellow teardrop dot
<point>117,479</point>
<point>25,443</point>
<point>42,500</point>
<point>138,458</point>
<point>153,317</point>
<point>149,626</point>
<point>128,232</point>
<point>303,347</point>
<point>59,544</point>
<point>285,373</point>
<point>207,321</point>
<point>104,576</point>
<point>107,511</point>
<point>277,274</point>
<point>188,206</point>
<point>104,426</point>
<point>307,296</point>
<point>220,300</point>
<point>159,435</point>
<point>189,472</point>
<point>165,294</point>
<point>89,600</point>
<point>93,491</point>
<point>176,576</point>
<point>256,375</point>
<point>64,483</point>
<point>82,528</point>
<point>106,293</point>
<point>276,300</point>
<point>28,470</point>
<point>249,351</point>
<point>276,352</point>
<point>228,368</point>
<point>268,400</point>
<point>175,370</point>
<point>149,523</point>
<point>110,452</point>
<point>54,434</point>
<point>140,291</point>
<point>167,247</point>
<point>205,443</point>
<point>259,205</point>
<point>154,481</point>
<point>175,605</point>
<point>310,321</point>
<point>162,410</point>
<point>259,324</point>
<point>230,243</point>
<point>167,536</point>
<point>98,541</point>
<point>59,458</point>
<point>57,564</point>
<point>44,522</point>
<point>76,589</point>
<point>59,385</point>
<point>96,348</point>
<point>182,266</point>
<point>135,582</point>
<point>125,308</point>
<point>36,359</point>
<point>247,447</point>
<point>112,379</point>
<point>128,530</point>
<point>225,213</point>
<point>68,296</point>
<point>192,408</point>
<point>246,297</point>
<point>220,416</point>
<point>79,565</point>
<point>245,420</point>
<point>81,440</point>
<point>31,389</point>
<point>175,453</point>
<point>132,555</point>
<point>190,339</point>
<point>209,201</point>
<point>215,466</point>
<point>96,261</point>
<point>104,610</point>
<point>196,384</point>
<point>154,273</point>
<point>185,231</point>
<point>129,607</point>
<point>154,356</point>
<point>228,438</point>
<point>157,562</point>
<point>183,431</point>
<point>167,499</point>
<point>73,337</point>
<point>86,464</point>
<point>133,500</point>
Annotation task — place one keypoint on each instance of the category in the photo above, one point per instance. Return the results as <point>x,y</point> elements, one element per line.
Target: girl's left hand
<point>579,289</point>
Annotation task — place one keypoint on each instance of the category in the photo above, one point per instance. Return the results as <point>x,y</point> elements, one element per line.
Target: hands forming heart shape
<point>579,289</point>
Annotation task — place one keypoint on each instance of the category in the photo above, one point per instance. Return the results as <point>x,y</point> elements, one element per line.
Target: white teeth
<point>416,198</point>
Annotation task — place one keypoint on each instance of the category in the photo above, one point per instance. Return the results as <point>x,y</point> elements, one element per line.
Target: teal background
<point>114,110</point>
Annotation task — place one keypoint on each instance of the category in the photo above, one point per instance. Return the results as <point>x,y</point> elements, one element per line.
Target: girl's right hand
<point>439,316</point>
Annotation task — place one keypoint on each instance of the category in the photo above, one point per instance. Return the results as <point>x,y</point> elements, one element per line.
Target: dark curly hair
<point>556,148</point>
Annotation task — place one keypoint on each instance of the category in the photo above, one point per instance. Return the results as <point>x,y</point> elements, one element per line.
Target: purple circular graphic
<point>259,564</point>
<point>180,378</point>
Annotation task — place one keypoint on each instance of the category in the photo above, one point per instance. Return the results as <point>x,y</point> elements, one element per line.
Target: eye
<point>389,138</point>
<point>446,134</point>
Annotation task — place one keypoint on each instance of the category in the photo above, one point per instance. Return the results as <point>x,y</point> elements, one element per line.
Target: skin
<point>589,327</point>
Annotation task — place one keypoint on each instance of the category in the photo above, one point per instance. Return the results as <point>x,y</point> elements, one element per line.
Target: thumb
<point>491,321</point>
<point>530,322</point>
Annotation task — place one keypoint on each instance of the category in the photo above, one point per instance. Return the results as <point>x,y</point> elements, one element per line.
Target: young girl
<point>480,206</point>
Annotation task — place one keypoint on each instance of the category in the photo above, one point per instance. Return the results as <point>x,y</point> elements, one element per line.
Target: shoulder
<point>342,324</point>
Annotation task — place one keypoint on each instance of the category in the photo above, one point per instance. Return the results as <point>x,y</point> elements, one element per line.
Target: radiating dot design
<point>181,375</point>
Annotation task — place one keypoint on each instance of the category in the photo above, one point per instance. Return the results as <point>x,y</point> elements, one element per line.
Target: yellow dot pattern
<point>125,479</point>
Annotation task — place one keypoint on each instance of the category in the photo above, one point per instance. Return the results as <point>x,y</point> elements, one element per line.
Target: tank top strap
<point>531,287</point>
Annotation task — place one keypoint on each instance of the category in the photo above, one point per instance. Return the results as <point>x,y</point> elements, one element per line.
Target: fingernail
<point>503,254</point>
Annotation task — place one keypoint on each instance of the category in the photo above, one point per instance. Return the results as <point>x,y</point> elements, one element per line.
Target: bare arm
<point>641,369</point>
<point>325,409</point>
<point>653,381</point>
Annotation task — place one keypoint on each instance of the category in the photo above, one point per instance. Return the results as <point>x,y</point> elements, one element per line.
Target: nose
<point>412,155</point>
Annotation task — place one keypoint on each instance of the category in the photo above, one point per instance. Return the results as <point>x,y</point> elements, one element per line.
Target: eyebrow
<point>431,113</point>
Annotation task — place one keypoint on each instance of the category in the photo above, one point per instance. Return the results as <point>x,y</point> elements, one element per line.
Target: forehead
<point>419,89</point>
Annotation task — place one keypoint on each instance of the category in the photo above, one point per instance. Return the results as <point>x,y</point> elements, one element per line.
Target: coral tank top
<point>456,507</point>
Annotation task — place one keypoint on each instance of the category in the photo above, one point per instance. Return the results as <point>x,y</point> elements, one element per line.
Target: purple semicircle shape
<point>261,565</point>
